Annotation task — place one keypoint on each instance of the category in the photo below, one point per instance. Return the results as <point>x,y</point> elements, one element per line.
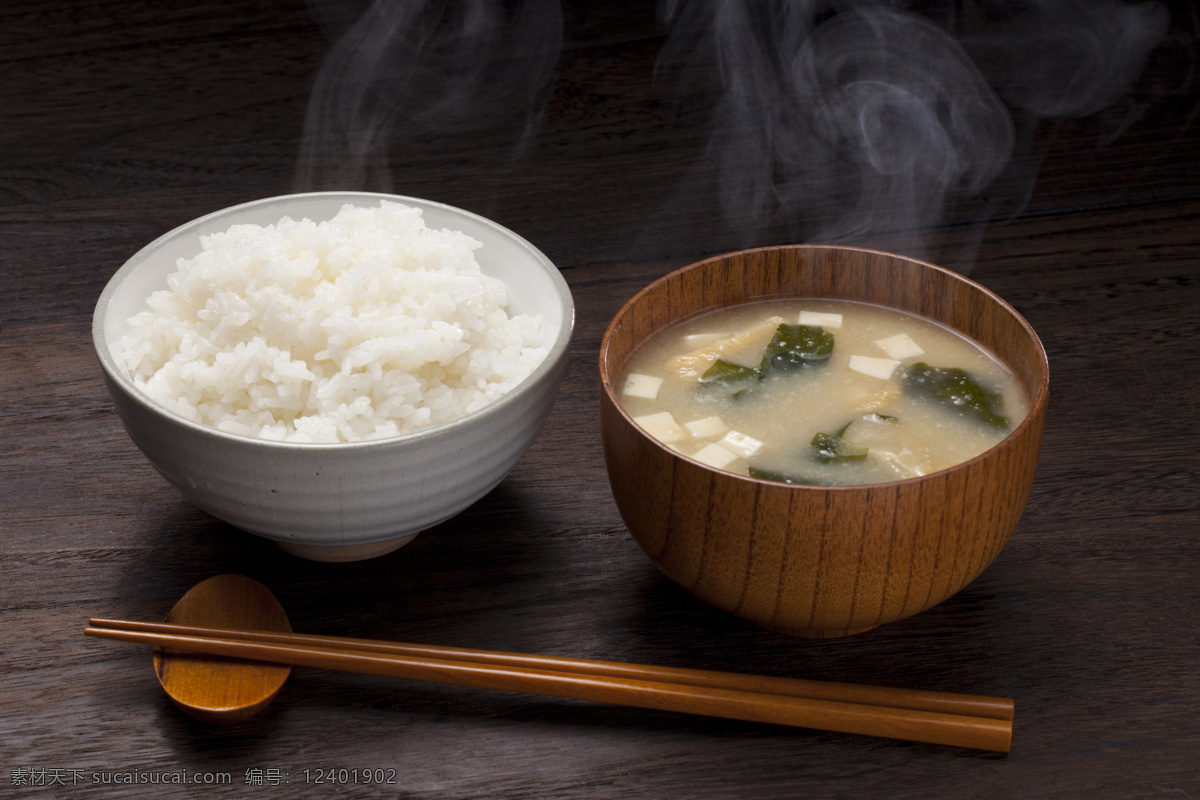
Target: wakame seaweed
<point>834,449</point>
<point>793,347</point>
<point>731,376</point>
<point>724,372</point>
<point>956,390</point>
<point>783,477</point>
<point>797,347</point>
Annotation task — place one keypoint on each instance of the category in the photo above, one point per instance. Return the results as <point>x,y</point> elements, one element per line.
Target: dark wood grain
<point>121,119</point>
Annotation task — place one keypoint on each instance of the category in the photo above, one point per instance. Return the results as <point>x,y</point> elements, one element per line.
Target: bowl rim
<point>1037,403</point>
<point>545,370</point>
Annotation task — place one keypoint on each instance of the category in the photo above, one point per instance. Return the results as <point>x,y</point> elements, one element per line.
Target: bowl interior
<point>535,285</point>
<point>843,273</point>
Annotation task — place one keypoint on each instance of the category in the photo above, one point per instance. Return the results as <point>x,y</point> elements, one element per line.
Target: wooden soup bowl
<point>821,561</point>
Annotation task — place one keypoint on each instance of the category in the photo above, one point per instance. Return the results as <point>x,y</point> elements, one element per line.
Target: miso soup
<point>820,392</point>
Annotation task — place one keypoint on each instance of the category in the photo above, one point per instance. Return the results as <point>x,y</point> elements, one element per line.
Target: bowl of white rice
<point>335,371</point>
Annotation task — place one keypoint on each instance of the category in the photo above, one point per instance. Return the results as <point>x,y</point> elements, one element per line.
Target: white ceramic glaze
<point>336,502</point>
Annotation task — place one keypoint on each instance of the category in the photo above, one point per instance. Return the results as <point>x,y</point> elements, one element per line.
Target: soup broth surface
<point>725,389</point>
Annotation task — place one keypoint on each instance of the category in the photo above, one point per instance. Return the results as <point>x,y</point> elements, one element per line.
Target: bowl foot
<point>345,552</point>
<point>805,633</point>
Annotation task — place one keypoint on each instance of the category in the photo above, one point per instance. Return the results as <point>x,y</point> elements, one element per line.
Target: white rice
<point>367,326</point>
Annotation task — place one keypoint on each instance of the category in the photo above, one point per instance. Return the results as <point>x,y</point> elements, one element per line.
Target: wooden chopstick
<point>1000,708</point>
<point>847,717</point>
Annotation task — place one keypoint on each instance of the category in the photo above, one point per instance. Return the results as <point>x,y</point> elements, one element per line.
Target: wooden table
<point>622,157</point>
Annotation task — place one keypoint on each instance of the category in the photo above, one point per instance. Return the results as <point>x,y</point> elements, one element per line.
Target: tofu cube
<point>707,428</point>
<point>822,319</point>
<point>881,368</point>
<point>740,443</point>
<point>661,426</point>
<point>715,456</point>
<point>646,386</point>
<point>900,346</point>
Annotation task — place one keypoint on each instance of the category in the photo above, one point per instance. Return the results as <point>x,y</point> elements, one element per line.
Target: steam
<point>1068,58</point>
<point>423,67</point>
<point>866,122</point>
<point>863,123</point>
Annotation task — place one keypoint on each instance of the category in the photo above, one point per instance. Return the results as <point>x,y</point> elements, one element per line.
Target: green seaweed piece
<point>956,390</point>
<point>783,477</point>
<point>728,376</point>
<point>834,449</point>
<point>793,347</point>
<point>723,371</point>
<point>796,347</point>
